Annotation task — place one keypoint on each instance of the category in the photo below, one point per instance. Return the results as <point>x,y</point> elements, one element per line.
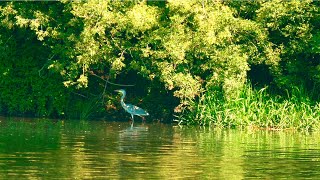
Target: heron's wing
<point>135,110</point>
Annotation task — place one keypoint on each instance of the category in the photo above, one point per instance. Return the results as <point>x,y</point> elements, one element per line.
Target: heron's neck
<point>122,100</point>
<point>122,103</point>
<point>122,97</point>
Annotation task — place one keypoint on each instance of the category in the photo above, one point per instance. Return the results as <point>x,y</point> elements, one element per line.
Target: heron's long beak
<point>116,90</point>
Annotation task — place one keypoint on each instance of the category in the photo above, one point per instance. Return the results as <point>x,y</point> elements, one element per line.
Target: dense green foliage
<point>65,58</point>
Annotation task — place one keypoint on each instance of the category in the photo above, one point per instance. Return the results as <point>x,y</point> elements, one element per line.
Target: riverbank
<point>256,108</point>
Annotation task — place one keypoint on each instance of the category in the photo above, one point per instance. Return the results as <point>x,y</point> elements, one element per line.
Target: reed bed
<point>256,109</point>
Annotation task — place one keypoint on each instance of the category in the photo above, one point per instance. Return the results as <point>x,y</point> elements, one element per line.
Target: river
<point>67,149</point>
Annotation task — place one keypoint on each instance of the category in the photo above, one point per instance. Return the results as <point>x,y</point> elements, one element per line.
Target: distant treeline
<point>65,58</point>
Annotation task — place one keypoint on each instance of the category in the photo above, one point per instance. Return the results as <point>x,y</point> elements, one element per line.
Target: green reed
<point>87,108</point>
<point>256,109</point>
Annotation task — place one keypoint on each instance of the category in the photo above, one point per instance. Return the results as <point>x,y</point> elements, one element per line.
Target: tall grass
<point>257,109</point>
<point>87,108</point>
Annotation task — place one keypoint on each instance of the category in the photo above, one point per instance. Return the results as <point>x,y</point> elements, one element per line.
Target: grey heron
<point>132,109</point>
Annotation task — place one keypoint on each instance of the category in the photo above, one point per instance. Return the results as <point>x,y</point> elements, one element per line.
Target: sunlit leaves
<point>7,14</point>
<point>142,17</point>
<point>118,64</point>
<point>291,24</point>
<point>177,43</point>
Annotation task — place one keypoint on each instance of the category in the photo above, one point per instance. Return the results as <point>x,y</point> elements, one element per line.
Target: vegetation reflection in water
<point>98,149</point>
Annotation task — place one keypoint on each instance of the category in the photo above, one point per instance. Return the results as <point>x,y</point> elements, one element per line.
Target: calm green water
<point>46,149</point>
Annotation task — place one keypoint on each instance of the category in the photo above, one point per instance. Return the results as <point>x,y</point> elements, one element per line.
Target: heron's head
<point>122,91</point>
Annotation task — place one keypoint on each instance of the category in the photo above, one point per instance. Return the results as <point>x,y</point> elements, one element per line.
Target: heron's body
<point>132,109</point>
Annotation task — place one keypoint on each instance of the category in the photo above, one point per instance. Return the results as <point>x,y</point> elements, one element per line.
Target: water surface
<point>46,149</point>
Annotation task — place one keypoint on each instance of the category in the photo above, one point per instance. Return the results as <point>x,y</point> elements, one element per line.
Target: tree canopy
<point>172,51</point>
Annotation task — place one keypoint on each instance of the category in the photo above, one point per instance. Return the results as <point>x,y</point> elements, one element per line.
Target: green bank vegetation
<point>200,62</point>
<point>259,109</point>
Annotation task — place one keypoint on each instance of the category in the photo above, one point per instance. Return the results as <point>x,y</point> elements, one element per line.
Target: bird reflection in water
<point>133,138</point>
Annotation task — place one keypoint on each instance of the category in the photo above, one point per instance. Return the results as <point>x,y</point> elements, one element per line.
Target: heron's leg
<point>132,117</point>
<point>143,119</point>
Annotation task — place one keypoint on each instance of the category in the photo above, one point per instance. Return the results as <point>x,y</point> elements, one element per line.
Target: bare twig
<point>105,87</point>
<point>8,40</point>
<point>80,95</point>
<point>44,66</point>
<point>116,84</point>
